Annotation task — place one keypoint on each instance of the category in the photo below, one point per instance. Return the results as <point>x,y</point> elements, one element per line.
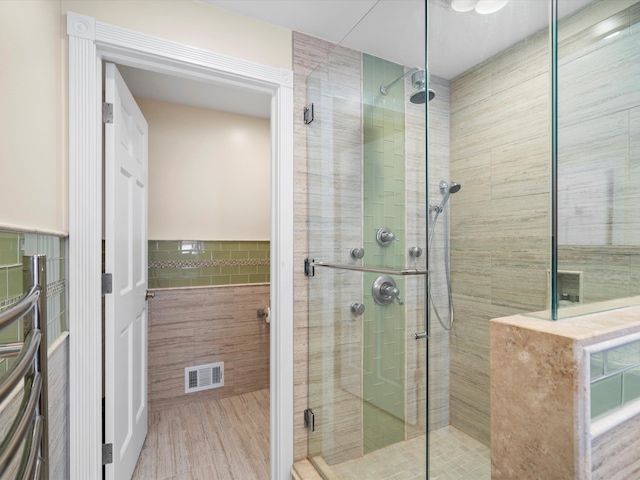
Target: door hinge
<point>107,112</point>
<point>107,283</point>
<point>107,453</point>
<point>308,115</point>
<point>309,420</point>
<point>309,269</point>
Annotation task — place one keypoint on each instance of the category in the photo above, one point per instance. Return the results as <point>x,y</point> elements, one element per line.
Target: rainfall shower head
<point>419,96</point>
<point>447,189</point>
<point>418,80</point>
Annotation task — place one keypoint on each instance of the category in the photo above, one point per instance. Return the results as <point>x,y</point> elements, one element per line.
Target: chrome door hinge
<point>107,283</point>
<point>107,112</point>
<point>309,269</point>
<point>308,115</point>
<point>107,453</point>
<point>309,420</point>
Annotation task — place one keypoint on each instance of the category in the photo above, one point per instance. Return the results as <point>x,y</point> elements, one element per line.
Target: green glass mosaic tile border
<point>615,378</point>
<point>195,263</point>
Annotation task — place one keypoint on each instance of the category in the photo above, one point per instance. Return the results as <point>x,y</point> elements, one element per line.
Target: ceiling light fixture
<point>463,5</point>
<point>490,6</point>
<point>480,6</point>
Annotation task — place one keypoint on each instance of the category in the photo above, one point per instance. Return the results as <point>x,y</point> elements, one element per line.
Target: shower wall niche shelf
<point>570,287</point>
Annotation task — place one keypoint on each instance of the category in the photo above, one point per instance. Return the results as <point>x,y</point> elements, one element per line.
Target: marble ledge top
<point>588,328</point>
<point>304,470</point>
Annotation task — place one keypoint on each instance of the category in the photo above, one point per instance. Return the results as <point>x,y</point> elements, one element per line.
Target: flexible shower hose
<point>446,269</point>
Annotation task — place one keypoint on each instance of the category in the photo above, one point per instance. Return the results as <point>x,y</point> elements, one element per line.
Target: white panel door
<point>126,259</point>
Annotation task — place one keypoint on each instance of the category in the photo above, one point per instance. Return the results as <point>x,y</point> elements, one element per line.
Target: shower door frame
<point>91,42</point>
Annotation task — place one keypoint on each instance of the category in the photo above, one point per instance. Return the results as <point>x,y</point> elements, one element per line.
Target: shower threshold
<point>454,456</point>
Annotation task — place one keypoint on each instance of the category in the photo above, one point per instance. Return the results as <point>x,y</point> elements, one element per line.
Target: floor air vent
<point>203,377</point>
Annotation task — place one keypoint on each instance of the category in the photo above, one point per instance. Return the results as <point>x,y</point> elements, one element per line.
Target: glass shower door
<point>367,264</point>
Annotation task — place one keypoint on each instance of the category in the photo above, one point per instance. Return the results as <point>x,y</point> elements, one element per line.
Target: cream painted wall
<point>195,24</point>
<point>209,173</point>
<point>33,86</point>
<point>33,166</point>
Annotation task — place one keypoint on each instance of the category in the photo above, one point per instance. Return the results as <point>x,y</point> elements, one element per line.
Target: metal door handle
<point>149,295</point>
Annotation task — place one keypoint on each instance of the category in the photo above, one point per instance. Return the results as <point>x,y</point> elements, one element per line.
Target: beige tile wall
<point>59,409</point>
<point>499,219</point>
<point>418,170</point>
<point>615,453</point>
<point>197,326</point>
<point>500,122</point>
<point>599,213</point>
<point>334,160</point>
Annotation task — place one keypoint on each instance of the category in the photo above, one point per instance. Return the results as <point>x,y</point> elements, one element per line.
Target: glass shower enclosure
<point>529,138</point>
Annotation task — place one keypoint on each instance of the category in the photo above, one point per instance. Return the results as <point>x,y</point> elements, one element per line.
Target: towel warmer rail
<point>29,427</point>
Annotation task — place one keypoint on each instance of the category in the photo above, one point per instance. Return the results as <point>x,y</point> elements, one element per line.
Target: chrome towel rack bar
<point>30,425</point>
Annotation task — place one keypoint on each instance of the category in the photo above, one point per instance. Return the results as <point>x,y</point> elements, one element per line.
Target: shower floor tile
<point>457,456</point>
<point>454,456</point>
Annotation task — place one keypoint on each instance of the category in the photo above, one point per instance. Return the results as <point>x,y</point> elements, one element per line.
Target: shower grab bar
<point>382,270</point>
<point>29,426</point>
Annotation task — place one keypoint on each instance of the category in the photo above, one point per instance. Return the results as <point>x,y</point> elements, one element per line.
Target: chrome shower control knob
<point>415,252</point>
<point>385,291</point>
<point>357,253</point>
<point>384,237</point>
<point>357,308</point>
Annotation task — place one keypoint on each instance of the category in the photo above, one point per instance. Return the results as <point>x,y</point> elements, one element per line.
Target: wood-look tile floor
<point>223,439</point>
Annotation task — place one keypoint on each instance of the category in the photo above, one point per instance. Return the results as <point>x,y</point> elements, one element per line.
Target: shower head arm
<point>384,89</point>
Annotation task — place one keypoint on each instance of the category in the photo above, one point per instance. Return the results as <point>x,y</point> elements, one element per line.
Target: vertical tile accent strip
<point>383,205</point>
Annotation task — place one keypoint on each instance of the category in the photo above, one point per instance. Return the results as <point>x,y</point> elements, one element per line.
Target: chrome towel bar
<point>382,270</point>
<point>30,425</point>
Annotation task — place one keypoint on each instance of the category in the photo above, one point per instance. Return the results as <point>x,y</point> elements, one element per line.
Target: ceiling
<point>394,29</point>
<point>224,98</point>
<point>390,29</point>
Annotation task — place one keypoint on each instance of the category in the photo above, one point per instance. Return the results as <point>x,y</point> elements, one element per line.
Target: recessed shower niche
<point>569,288</point>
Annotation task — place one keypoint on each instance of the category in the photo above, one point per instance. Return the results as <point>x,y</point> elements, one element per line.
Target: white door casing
<point>91,42</point>
<point>126,176</point>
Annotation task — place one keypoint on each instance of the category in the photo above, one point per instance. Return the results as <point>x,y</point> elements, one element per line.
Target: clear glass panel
<point>490,255</point>
<point>366,195</point>
<point>599,156</point>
